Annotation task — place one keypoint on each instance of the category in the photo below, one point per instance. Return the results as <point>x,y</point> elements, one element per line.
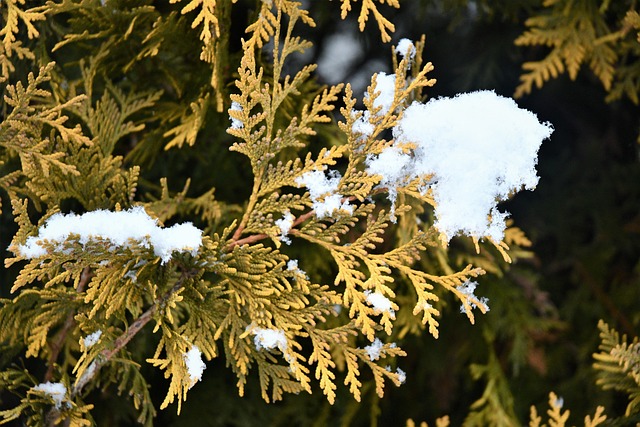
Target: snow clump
<point>402,375</point>
<point>235,123</point>
<point>269,339</point>
<point>380,303</point>
<point>386,85</point>
<point>406,46</point>
<point>56,391</point>
<point>468,288</point>
<point>319,185</point>
<point>374,349</point>
<point>292,265</point>
<point>478,148</point>
<point>195,365</point>
<point>285,223</point>
<point>119,228</point>
<point>91,339</point>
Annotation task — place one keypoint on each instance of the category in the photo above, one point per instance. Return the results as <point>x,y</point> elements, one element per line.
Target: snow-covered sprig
<point>118,229</point>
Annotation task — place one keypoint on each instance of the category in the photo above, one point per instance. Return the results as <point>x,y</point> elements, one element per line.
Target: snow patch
<point>56,391</point>
<point>404,47</point>
<point>91,339</point>
<point>194,363</point>
<point>477,147</point>
<point>362,126</point>
<point>559,402</point>
<point>285,224</point>
<point>380,303</point>
<point>386,85</point>
<point>322,190</point>
<point>374,349</point>
<point>292,265</point>
<point>269,339</point>
<point>235,123</point>
<point>119,228</point>
<point>468,288</point>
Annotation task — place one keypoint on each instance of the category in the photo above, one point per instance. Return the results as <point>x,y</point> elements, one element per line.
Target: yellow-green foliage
<point>558,417</point>
<point>64,136</point>
<point>369,6</point>
<point>602,34</point>
<point>618,365</point>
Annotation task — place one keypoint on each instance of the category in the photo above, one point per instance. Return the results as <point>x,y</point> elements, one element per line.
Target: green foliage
<point>139,96</point>
<point>558,417</point>
<point>368,6</point>
<point>602,34</point>
<point>617,363</point>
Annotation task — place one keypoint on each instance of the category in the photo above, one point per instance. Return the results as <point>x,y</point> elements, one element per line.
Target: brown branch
<point>107,354</point>
<point>246,241</point>
<point>235,241</point>
<point>70,323</point>
<point>257,237</point>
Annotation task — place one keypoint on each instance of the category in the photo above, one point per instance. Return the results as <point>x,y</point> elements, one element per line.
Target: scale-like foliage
<point>559,417</point>
<point>369,6</point>
<point>618,365</point>
<point>580,32</point>
<point>14,16</point>
<point>84,299</point>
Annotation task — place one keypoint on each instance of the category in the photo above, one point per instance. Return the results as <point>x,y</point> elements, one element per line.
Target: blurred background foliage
<point>583,220</point>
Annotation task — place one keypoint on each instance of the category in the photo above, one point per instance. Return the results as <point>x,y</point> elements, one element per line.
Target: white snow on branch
<point>292,265</point>
<point>56,391</point>
<point>91,339</point>
<point>386,85</point>
<point>119,228</point>
<point>468,288</point>
<point>235,123</point>
<point>285,224</point>
<point>374,350</point>
<point>194,363</point>
<point>322,190</point>
<point>385,88</point>
<point>394,166</point>
<point>404,47</point>
<point>402,375</point>
<point>318,183</point>
<point>380,303</point>
<point>477,147</point>
<point>269,339</point>
<point>362,125</point>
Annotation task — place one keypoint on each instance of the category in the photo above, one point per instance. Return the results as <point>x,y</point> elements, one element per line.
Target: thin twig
<point>235,241</point>
<point>246,241</point>
<point>61,337</point>
<point>107,354</point>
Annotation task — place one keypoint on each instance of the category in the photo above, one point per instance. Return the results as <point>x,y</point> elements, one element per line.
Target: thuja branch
<point>107,354</point>
<point>236,241</point>
<point>61,337</point>
<point>253,200</point>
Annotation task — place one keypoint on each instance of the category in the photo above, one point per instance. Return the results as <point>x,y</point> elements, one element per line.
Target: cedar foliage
<point>138,95</point>
<point>604,35</point>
